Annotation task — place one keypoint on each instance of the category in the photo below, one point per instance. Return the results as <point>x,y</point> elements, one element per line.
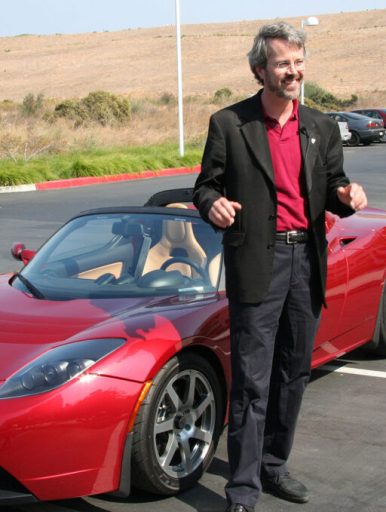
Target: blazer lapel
<point>309,142</point>
<point>253,130</point>
<point>256,138</point>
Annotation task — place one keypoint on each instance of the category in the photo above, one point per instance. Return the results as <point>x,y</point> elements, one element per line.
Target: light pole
<point>309,22</point>
<point>179,81</point>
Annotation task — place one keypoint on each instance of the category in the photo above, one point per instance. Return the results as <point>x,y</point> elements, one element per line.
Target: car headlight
<point>57,366</point>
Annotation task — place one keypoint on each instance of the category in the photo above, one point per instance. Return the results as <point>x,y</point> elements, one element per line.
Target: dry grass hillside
<point>347,56</point>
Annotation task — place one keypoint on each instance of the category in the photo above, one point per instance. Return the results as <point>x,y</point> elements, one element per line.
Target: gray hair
<point>258,55</point>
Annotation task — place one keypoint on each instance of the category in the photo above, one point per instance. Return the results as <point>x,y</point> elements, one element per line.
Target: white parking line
<point>354,371</point>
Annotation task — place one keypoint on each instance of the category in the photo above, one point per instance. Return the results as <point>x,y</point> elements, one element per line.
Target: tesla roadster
<point>114,346</point>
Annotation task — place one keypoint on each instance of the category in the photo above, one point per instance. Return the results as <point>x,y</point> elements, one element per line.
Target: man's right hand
<point>223,211</point>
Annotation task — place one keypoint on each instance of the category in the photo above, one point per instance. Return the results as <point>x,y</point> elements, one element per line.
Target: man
<point>270,169</point>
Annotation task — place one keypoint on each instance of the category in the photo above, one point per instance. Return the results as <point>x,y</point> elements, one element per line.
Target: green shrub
<point>324,99</point>
<point>106,108</point>
<point>99,106</point>
<point>32,104</point>
<point>70,109</point>
<point>167,98</point>
<point>222,94</point>
<point>310,103</point>
<point>137,106</point>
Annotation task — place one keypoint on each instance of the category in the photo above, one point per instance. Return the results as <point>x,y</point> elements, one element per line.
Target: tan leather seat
<point>177,240</point>
<point>214,269</point>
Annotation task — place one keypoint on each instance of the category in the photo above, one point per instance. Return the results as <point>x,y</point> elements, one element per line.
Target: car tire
<point>178,426</point>
<point>354,140</point>
<point>377,346</point>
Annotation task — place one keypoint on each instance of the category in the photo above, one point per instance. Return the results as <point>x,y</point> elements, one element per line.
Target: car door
<point>356,273</point>
<point>337,282</point>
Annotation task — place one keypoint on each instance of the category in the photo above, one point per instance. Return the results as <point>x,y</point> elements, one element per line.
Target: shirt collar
<point>293,116</point>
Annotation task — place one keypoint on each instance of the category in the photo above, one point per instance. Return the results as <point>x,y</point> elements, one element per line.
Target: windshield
<point>126,255</point>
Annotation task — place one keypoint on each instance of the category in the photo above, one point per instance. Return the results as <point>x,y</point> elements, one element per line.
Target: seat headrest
<point>127,229</point>
<point>176,205</point>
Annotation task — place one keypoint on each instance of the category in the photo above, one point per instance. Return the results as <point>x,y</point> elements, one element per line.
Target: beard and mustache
<point>280,88</point>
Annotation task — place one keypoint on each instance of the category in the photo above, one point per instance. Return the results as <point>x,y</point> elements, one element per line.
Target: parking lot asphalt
<point>340,445</point>
<point>339,452</point>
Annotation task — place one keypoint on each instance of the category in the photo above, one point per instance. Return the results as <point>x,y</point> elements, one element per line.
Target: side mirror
<point>19,252</point>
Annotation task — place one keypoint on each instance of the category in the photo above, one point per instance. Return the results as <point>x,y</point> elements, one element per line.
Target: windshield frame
<point>65,288</point>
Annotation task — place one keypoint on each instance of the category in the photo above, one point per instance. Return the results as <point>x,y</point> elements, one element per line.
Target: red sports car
<point>114,349</point>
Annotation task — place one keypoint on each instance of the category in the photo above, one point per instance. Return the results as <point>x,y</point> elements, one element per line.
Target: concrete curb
<point>96,180</point>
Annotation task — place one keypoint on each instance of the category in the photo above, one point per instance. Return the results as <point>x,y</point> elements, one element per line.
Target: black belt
<point>292,237</point>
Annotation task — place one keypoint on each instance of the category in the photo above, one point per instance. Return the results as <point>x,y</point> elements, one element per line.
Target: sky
<point>77,16</point>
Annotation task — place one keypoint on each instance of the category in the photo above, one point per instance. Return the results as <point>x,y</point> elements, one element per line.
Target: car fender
<point>156,336</point>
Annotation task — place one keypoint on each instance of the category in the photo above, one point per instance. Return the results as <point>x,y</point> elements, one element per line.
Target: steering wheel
<point>180,259</point>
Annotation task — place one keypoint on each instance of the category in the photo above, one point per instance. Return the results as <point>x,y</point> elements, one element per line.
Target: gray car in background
<point>376,113</point>
<point>364,130</point>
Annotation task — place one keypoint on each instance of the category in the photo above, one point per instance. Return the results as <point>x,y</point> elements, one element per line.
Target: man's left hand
<point>353,195</point>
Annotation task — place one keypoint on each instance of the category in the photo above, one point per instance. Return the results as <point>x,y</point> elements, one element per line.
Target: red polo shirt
<point>284,143</point>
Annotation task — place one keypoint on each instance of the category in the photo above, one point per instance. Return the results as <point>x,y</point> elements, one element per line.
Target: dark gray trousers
<point>271,348</point>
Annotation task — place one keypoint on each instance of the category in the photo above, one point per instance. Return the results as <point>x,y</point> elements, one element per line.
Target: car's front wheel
<point>178,426</point>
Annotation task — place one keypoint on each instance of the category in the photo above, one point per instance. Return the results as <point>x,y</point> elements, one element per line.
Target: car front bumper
<point>66,443</point>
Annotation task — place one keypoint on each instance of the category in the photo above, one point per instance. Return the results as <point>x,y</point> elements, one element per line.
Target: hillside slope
<point>346,56</point>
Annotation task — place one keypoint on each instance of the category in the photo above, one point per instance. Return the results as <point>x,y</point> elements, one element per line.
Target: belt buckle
<point>288,236</point>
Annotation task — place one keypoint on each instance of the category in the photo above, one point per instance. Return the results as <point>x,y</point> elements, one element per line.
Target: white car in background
<point>345,133</point>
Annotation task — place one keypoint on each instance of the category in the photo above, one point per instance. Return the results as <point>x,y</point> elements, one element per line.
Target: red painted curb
<point>93,180</point>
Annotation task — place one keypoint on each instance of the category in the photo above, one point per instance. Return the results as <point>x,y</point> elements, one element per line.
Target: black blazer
<point>237,164</point>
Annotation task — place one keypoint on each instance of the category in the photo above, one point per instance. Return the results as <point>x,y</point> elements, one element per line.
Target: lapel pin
<point>313,141</point>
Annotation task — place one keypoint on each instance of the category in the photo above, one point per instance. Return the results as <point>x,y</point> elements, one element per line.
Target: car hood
<point>30,326</point>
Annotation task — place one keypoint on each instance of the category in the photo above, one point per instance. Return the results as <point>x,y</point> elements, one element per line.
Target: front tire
<point>178,426</point>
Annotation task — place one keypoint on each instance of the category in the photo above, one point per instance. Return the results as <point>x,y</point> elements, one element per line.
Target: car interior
<point>131,252</point>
